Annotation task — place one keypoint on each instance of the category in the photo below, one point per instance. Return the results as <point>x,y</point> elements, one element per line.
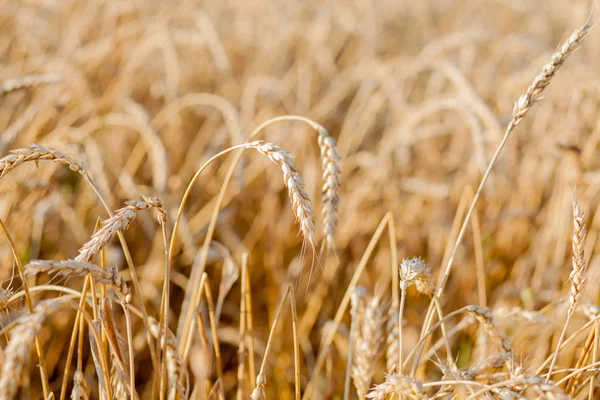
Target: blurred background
<point>417,95</point>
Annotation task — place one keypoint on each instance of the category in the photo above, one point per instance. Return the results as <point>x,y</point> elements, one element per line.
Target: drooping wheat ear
<point>577,276</point>
<point>259,390</point>
<point>175,366</point>
<point>36,153</point>
<point>399,385</point>
<point>291,176</point>
<point>73,268</point>
<point>330,192</point>
<point>28,82</point>
<point>485,317</point>
<point>18,348</point>
<point>367,346</point>
<point>414,271</point>
<point>80,388</point>
<point>118,222</point>
<point>534,91</point>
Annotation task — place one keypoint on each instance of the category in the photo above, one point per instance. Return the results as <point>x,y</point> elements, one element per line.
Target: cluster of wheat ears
<point>239,288</point>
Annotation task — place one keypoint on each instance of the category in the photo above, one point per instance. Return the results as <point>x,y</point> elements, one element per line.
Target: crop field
<point>285,199</point>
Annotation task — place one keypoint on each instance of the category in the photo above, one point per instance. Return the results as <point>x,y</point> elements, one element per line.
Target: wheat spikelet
<point>118,222</point>
<point>534,91</point>
<point>399,385</point>
<point>367,345</point>
<point>414,271</point>
<point>28,82</point>
<point>291,176</point>
<point>36,153</point>
<point>330,160</point>
<point>577,275</point>
<point>18,348</point>
<point>73,268</point>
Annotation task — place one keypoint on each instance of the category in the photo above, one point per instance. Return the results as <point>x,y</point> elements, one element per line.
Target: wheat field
<point>339,199</point>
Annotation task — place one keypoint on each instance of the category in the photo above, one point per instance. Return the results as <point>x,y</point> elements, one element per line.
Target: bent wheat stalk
<point>301,205</point>
<point>522,106</point>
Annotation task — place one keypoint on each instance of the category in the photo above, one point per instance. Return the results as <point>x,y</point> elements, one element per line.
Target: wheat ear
<point>18,348</point>
<point>291,176</point>
<point>28,82</point>
<point>175,366</point>
<point>399,385</point>
<point>534,91</point>
<point>330,196</point>
<point>577,275</point>
<point>367,348</point>
<point>36,153</point>
<point>74,268</point>
<point>118,222</point>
